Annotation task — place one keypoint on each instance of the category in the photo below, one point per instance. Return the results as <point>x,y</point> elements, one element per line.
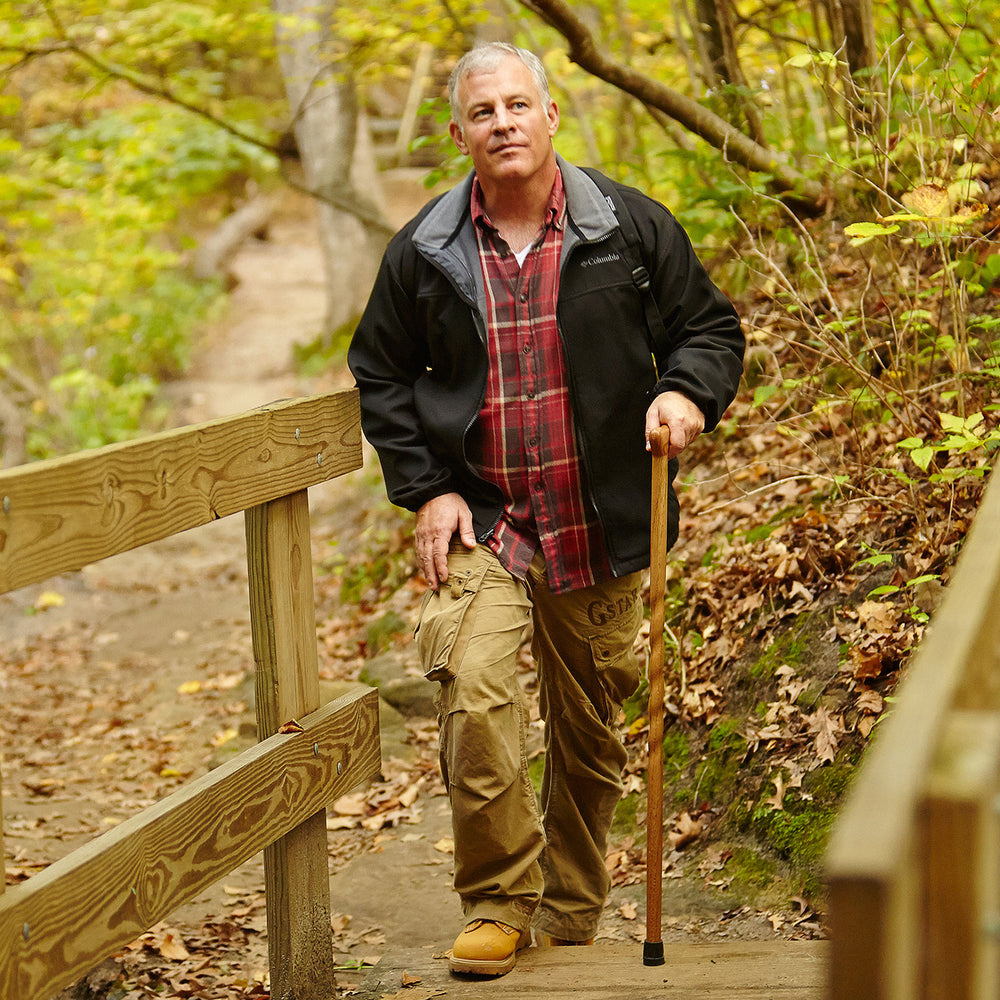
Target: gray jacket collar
<point>589,212</point>
<point>445,234</point>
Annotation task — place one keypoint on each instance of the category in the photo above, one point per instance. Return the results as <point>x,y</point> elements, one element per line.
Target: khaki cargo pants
<point>514,861</point>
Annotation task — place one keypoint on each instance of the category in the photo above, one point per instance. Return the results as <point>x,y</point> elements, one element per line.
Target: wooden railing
<point>60,515</point>
<point>914,863</point>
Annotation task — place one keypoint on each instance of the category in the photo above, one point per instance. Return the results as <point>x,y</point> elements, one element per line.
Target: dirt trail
<point>154,681</point>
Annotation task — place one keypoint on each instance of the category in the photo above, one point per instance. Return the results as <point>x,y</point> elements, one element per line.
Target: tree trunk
<point>336,165</point>
<point>852,25</point>
<point>715,24</point>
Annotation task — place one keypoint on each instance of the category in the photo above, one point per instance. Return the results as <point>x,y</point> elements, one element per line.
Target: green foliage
<point>94,181</point>
<point>100,306</point>
<point>325,352</point>
<point>962,436</point>
<point>380,632</point>
<point>788,649</point>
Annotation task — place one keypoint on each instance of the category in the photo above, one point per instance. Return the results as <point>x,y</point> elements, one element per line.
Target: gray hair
<point>486,57</point>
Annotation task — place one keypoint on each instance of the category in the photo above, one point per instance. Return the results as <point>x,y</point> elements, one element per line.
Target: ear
<point>553,116</point>
<point>458,138</point>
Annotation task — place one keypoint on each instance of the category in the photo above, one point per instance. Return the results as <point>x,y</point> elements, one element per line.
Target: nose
<point>502,121</point>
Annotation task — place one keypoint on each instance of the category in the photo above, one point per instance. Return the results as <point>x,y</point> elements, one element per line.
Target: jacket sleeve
<point>701,354</point>
<point>387,356</point>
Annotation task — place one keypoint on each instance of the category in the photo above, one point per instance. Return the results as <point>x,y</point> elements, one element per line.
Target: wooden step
<point>732,970</point>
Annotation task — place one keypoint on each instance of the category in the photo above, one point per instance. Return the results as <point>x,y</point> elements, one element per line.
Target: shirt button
<point>527,348</point>
<point>524,296</point>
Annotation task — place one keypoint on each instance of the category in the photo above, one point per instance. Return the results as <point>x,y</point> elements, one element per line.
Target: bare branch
<point>583,50</point>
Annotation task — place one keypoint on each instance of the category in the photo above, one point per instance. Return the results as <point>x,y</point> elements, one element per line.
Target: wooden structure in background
<point>60,515</point>
<point>913,863</point>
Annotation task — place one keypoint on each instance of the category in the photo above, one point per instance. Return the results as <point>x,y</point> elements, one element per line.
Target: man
<point>508,380</point>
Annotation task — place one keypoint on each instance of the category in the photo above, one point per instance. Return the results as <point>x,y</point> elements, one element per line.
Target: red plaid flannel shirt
<point>527,443</point>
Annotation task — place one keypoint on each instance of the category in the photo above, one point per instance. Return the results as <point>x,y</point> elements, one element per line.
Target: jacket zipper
<point>481,327</point>
<point>581,443</point>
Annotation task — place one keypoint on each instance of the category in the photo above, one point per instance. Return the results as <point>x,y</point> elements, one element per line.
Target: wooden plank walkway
<point>745,970</point>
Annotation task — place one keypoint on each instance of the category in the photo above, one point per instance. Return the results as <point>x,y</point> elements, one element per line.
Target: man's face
<point>504,126</point>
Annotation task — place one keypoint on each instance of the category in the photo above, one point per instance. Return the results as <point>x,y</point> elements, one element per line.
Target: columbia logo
<point>604,258</point>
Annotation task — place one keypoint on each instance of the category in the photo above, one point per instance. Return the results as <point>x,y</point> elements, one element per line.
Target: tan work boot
<point>487,948</point>
<point>553,942</point>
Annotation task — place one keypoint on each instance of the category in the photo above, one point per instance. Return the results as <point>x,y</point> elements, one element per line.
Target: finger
<point>425,563</point>
<point>466,531</point>
<point>439,563</point>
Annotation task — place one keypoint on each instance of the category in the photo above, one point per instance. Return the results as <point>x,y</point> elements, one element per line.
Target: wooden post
<point>3,856</point>
<point>283,622</point>
<point>959,848</point>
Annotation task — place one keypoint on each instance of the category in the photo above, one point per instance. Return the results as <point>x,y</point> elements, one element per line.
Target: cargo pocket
<point>439,632</point>
<point>616,664</point>
<point>481,751</point>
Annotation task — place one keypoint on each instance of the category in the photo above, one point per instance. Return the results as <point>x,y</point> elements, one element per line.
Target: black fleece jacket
<point>420,361</point>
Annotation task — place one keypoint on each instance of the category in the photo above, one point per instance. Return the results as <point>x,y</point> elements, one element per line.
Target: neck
<point>521,202</point>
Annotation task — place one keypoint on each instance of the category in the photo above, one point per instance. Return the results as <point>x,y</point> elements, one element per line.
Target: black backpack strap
<point>655,329</point>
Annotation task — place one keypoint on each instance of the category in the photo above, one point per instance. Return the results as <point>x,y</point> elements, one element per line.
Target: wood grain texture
<point>3,855</point>
<point>283,622</point>
<point>873,843</point>
<point>959,845</point>
<point>108,892</point>
<point>65,513</point>
<point>731,970</point>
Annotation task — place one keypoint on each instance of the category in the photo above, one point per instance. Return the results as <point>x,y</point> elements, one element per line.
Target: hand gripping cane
<point>652,949</point>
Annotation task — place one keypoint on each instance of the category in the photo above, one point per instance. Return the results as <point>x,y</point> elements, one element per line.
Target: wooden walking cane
<point>652,949</point>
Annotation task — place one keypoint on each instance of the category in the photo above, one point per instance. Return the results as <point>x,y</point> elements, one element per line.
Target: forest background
<point>836,163</point>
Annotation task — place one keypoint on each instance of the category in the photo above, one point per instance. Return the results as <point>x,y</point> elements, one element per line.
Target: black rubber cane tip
<point>652,953</point>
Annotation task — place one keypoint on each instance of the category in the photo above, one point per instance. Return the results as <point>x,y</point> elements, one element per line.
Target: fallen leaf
<point>167,941</point>
<point>446,845</point>
<point>927,199</point>
<point>49,599</point>
<point>685,830</point>
<point>189,687</point>
<point>353,804</point>
<point>826,729</point>
<point>628,910</point>
<point>870,701</point>
<point>409,993</point>
<point>777,801</point>
<point>866,665</point>
<point>408,980</point>
<point>878,616</point>
<point>292,726</point>
<point>342,822</point>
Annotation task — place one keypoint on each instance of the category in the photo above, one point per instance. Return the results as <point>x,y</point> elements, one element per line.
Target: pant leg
<point>583,646</point>
<point>468,637</point>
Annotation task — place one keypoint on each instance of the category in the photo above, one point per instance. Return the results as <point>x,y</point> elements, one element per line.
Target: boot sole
<point>472,967</point>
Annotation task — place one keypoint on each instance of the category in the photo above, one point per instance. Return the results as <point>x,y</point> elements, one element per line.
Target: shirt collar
<point>555,212</point>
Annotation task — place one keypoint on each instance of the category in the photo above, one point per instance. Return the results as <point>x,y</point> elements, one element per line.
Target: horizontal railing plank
<point>110,891</point>
<point>874,837</point>
<point>64,513</point>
